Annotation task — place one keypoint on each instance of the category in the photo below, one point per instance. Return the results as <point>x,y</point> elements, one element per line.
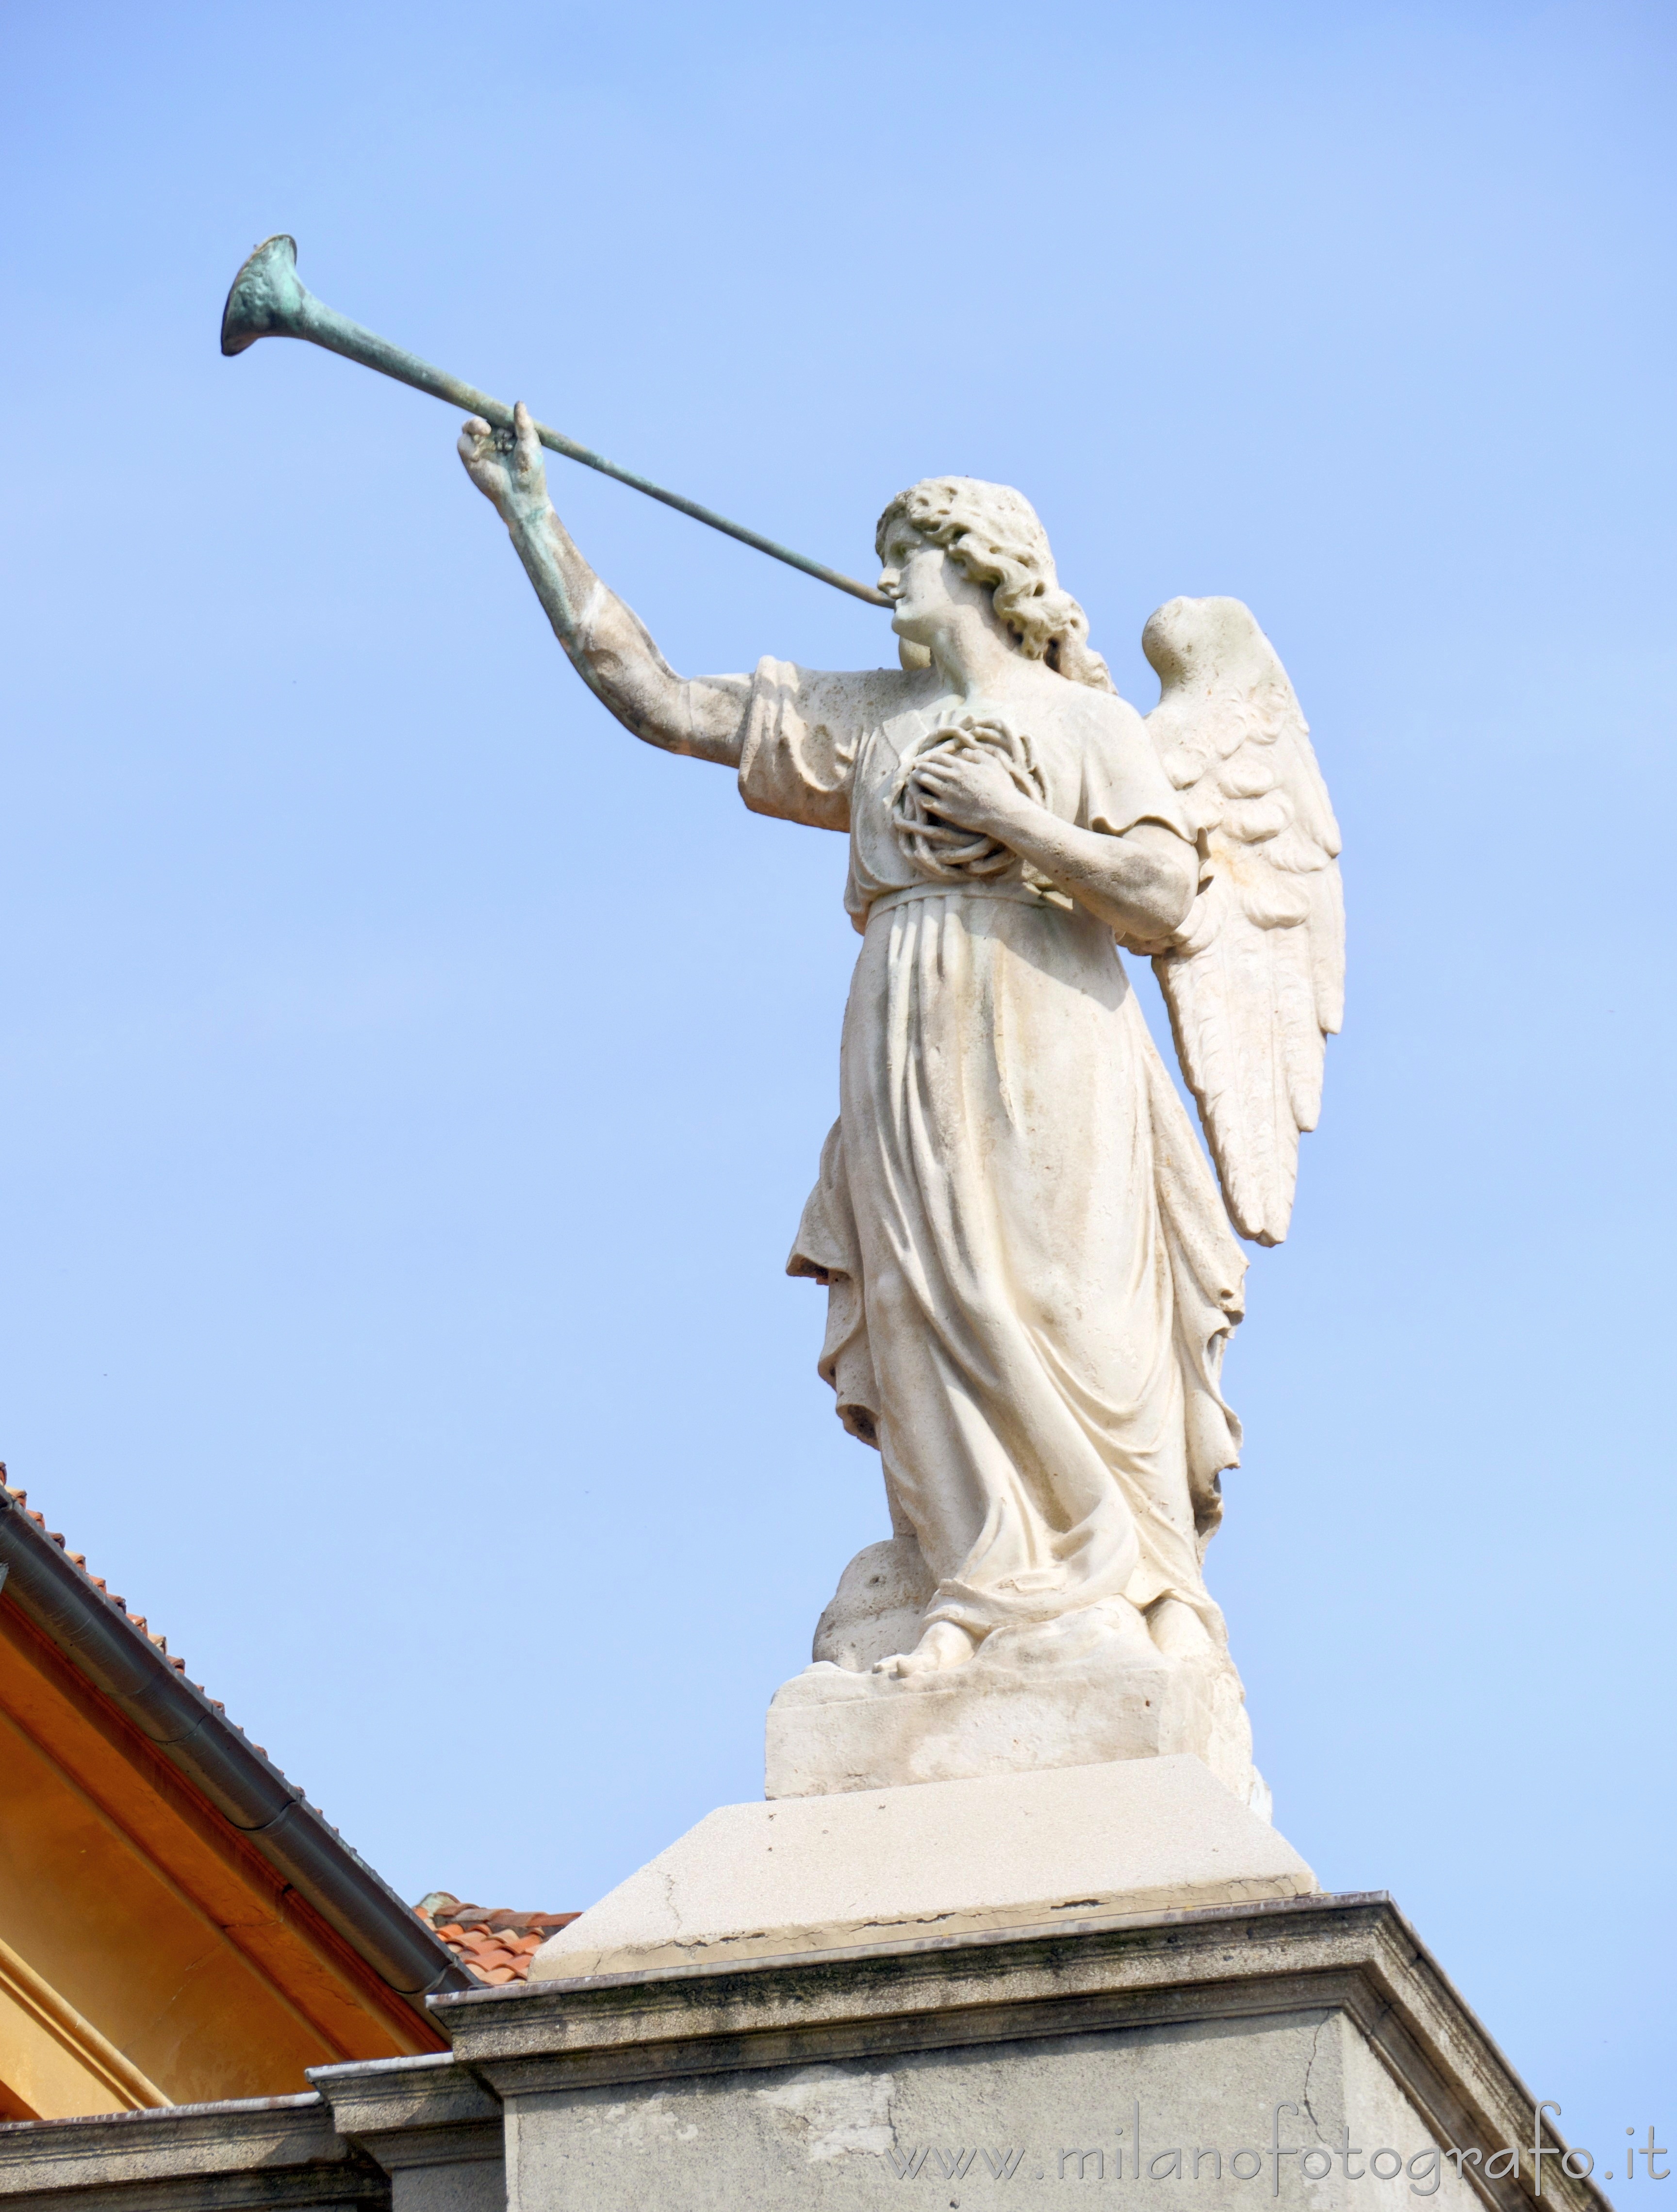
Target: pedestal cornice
<point>1354,1954</point>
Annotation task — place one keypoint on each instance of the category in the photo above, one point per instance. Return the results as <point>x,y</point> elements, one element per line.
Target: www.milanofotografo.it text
<point>1124,2158</point>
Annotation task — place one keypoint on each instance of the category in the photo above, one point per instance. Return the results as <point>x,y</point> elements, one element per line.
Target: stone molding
<point>267,2152</point>
<point>406,2113</point>
<point>1354,1954</point>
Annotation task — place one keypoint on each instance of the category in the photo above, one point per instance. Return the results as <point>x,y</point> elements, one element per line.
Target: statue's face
<point>927,586</point>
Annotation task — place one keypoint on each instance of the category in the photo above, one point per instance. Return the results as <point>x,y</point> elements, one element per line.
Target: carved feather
<point>1255,978</point>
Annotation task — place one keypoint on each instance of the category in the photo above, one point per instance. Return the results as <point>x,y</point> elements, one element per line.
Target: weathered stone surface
<point>434,2128</point>
<point>976,2124</point>
<point>1025,1702</point>
<point>876,1610</point>
<point>814,2079</point>
<point>260,2151</point>
<point>1000,1849</point>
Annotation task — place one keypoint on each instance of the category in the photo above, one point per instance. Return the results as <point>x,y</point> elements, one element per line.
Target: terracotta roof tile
<point>495,1943</point>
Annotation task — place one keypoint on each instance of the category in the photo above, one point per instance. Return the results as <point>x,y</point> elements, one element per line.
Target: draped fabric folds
<point>1030,1277</point>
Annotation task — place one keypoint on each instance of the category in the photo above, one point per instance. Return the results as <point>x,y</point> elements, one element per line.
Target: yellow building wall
<point>101,1925</point>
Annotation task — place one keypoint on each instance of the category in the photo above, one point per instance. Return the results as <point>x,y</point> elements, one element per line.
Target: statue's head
<point>994,536</point>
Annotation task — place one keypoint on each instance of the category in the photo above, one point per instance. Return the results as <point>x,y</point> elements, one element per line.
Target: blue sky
<point>411,1085</point>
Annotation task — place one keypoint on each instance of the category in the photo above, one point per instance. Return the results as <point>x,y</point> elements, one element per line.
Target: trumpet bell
<point>267,299</point>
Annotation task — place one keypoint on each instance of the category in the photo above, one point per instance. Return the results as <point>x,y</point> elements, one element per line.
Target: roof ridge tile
<point>493,1954</point>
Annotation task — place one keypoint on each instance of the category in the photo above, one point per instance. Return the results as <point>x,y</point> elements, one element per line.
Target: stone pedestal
<point>1086,1688</point>
<point>1305,2051</point>
<point>831,1731</point>
<point>940,1857</point>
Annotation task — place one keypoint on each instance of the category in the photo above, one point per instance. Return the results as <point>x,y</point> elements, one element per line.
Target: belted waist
<point>1019,894</point>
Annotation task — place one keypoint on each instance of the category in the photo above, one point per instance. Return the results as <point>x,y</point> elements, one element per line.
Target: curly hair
<point>994,533</point>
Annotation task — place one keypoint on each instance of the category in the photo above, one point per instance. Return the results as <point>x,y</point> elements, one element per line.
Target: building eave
<point>188,1730</point>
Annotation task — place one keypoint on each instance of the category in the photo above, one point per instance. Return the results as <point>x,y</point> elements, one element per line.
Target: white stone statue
<point>1030,1278</point>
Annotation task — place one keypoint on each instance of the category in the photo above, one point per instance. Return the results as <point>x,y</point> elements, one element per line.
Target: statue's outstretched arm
<point>608,644</point>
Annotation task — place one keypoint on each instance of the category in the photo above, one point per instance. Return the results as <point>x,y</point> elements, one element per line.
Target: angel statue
<point>1031,1280</point>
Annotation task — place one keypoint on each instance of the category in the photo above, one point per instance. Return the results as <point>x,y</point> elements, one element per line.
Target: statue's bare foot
<point>943,1645</point>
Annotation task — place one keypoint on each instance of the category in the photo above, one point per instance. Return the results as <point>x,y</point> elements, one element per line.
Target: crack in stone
<point>1310,2067</point>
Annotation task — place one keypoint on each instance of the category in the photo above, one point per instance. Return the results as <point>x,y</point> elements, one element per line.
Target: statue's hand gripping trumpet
<point>1030,1278</point>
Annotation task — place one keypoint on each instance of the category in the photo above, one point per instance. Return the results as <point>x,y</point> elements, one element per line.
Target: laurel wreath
<point>941,848</point>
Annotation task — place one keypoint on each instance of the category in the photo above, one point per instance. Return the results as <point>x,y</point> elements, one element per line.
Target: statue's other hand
<point>507,465</point>
<point>970,789</point>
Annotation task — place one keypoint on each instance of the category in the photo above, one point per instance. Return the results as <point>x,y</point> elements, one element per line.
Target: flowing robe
<point>1031,1276</point>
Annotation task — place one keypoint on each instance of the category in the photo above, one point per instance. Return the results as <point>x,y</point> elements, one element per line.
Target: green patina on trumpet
<point>269,299</point>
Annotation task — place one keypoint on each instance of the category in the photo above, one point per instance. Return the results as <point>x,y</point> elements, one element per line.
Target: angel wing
<point>1255,978</point>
